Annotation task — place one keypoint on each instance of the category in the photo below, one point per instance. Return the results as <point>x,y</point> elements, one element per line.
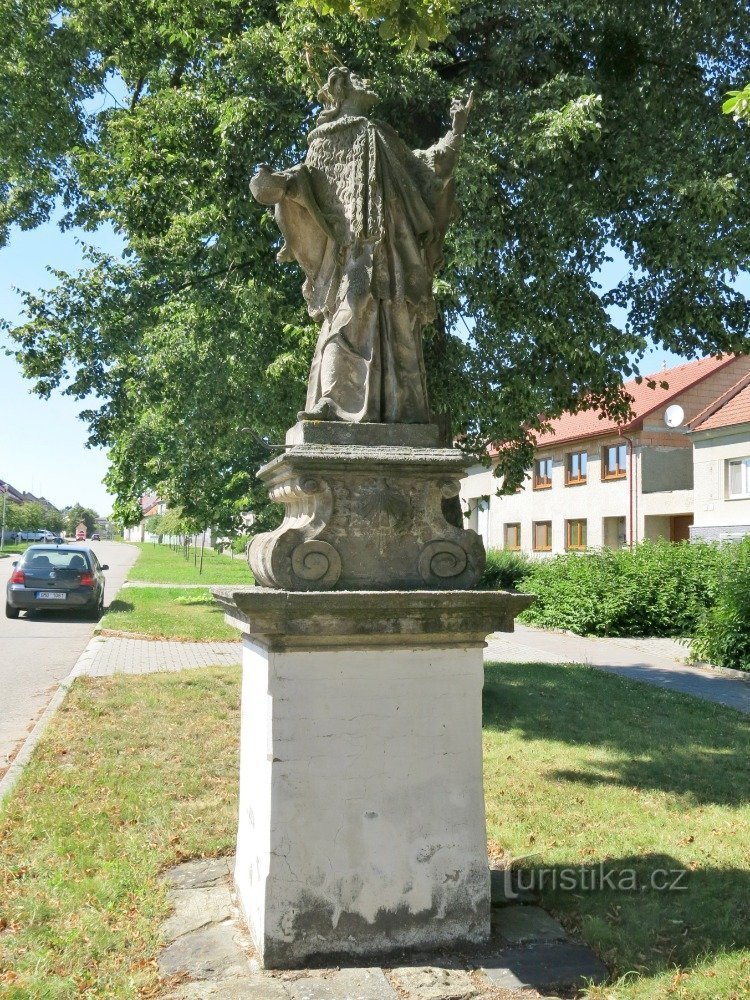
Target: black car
<point>64,577</point>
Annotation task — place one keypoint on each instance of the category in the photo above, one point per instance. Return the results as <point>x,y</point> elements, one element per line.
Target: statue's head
<point>345,93</point>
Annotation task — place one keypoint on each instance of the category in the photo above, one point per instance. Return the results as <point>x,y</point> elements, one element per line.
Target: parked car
<point>67,577</point>
<point>95,537</point>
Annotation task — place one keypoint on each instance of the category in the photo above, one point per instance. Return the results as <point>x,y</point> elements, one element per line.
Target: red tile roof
<point>728,410</point>
<point>590,423</point>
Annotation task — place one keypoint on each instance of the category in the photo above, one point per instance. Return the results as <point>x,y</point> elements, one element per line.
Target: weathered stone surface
<point>361,815</point>
<point>372,435</point>
<point>365,216</point>
<point>257,987</point>
<point>198,874</point>
<point>283,620</point>
<point>345,984</point>
<point>208,953</point>
<point>194,908</point>
<point>434,983</point>
<point>544,967</point>
<point>526,925</point>
<point>506,889</point>
<point>366,518</point>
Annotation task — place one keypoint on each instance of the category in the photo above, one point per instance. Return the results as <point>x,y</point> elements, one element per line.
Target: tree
<point>76,514</point>
<point>595,127</point>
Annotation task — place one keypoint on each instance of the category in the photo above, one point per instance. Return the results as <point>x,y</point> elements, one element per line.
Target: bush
<point>504,569</point>
<point>723,632</point>
<point>655,589</point>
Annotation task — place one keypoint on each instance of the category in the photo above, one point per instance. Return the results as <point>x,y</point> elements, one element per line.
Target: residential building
<point>595,483</point>
<point>150,505</point>
<point>721,452</point>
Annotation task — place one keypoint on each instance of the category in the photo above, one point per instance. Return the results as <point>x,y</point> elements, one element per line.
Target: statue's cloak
<point>365,216</point>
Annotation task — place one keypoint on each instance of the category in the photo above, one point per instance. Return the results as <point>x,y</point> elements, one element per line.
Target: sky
<point>42,442</point>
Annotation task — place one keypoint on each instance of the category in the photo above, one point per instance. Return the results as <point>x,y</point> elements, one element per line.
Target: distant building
<point>721,450</point>
<point>598,484</point>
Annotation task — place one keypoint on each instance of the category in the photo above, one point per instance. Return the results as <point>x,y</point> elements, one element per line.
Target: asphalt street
<point>37,651</point>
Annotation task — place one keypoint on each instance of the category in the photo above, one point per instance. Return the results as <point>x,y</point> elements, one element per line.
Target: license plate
<point>50,595</point>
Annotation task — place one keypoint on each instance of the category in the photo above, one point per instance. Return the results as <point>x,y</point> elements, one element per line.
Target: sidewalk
<point>654,661</point>
<point>107,655</point>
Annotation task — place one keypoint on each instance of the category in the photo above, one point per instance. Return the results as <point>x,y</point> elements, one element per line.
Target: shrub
<point>723,632</point>
<point>504,569</point>
<point>657,589</point>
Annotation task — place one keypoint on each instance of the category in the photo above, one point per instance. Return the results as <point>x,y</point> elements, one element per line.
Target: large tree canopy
<point>597,125</point>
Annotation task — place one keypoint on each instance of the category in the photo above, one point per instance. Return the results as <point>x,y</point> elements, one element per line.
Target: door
<point>680,527</point>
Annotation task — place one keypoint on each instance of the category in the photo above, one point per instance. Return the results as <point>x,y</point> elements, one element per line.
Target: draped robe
<point>365,216</point>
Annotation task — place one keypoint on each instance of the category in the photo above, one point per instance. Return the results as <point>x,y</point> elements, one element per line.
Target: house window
<point>542,473</point>
<point>575,535</point>
<point>576,468</point>
<point>512,537</point>
<point>542,536</point>
<point>614,461</point>
<point>738,477</point>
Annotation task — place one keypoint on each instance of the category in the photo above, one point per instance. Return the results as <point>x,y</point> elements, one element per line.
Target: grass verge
<point>160,564</point>
<point>133,775</point>
<point>168,613</point>
<point>581,768</point>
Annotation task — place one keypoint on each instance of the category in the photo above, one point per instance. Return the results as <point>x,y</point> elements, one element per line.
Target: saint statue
<point>364,216</point>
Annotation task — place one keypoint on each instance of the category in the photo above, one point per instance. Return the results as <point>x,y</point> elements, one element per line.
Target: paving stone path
<point>108,655</point>
<point>208,954</point>
<point>654,661</point>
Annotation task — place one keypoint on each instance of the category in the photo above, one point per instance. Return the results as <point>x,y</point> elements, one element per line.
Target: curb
<point>14,772</point>
<point>729,672</point>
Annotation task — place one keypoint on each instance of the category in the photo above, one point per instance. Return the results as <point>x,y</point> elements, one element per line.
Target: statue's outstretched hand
<point>268,187</point>
<point>460,110</point>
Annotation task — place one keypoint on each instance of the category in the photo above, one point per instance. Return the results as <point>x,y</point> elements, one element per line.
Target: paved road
<point>38,651</point>
<point>655,661</point>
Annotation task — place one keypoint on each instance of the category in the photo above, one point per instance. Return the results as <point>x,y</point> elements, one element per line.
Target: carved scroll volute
<point>447,564</point>
<point>291,557</point>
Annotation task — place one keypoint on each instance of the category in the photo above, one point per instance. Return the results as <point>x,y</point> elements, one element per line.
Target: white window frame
<point>744,464</point>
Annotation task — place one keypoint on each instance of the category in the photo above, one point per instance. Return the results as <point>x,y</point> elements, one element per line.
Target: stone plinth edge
<point>281,620</point>
<point>333,432</point>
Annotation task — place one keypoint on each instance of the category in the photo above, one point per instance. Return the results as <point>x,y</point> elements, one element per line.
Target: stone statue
<point>365,216</point>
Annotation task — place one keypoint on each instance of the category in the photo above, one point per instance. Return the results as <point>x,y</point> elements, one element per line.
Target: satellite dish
<point>674,415</point>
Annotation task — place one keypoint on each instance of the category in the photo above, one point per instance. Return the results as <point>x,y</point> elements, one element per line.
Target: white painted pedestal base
<point>361,826</point>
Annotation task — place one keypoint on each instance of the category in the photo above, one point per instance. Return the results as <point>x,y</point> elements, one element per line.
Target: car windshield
<point>44,559</point>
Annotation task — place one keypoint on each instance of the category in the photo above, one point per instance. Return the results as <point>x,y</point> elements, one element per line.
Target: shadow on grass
<point>647,912</point>
<point>119,605</point>
<point>668,741</point>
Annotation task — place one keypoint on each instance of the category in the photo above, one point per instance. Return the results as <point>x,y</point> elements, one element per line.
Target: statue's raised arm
<point>365,216</point>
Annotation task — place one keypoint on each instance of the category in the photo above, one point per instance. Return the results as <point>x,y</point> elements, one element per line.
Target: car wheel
<point>11,612</point>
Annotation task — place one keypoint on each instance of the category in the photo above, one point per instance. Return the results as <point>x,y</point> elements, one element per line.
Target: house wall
<point>717,516</point>
<point>599,502</point>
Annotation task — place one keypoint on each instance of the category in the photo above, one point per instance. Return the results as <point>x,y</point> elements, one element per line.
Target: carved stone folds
<point>362,517</point>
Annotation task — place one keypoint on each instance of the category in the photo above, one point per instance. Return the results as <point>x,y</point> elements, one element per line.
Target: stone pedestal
<point>368,506</point>
<point>361,827</point>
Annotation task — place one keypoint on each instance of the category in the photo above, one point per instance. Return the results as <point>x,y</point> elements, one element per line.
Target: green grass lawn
<point>160,564</point>
<point>15,550</point>
<point>582,768</point>
<point>168,613</point>
<point>133,775</point>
